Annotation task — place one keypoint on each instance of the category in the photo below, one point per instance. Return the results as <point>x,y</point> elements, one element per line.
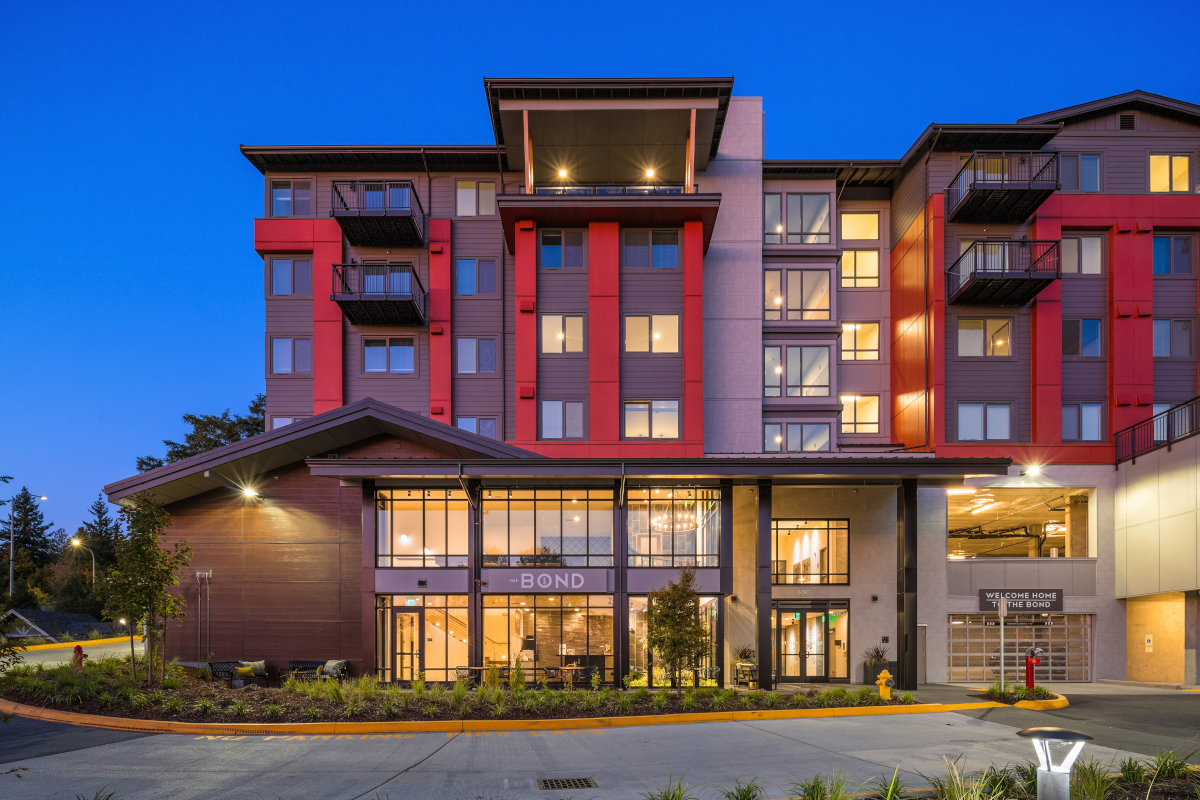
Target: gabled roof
<point>242,463</point>
<point>1130,101</point>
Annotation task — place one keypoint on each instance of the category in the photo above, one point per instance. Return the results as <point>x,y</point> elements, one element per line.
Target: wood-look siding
<point>1086,297</point>
<point>287,396</point>
<point>563,377</point>
<point>652,376</point>
<point>1176,380</point>
<point>989,379</point>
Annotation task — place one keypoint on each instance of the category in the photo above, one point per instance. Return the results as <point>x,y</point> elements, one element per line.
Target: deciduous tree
<point>674,631</point>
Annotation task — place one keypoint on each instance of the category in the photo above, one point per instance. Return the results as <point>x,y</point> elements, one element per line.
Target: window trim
<point>499,189</point>
<point>878,271</point>
<point>564,438</point>
<point>493,417</point>
<point>1104,439</point>
<point>861,212</point>
<point>564,268</point>
<point>627,401</point>
<point>1190,275</point>
<point>293,375</point>
<point>857,423</point>
<point>1171,156</point>
<point>1012,421</point>
<point>651,269</point>
<point>312,199</point>
<point>1191,356</point>
<point>878,351</point>
<point>582,353</point>
<point>477,375</point>
<point>1012,347</point>
<point>269,264</point>
<point>785,422</point>
<point>362,356</point>
<point>499,278</point>
<point>1103,339</point>
<point>648,353</point>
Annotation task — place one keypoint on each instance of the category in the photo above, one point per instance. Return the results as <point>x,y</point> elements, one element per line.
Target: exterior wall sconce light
<point>649,173</point>
<point>1054,780</point>
<point>562,173</point>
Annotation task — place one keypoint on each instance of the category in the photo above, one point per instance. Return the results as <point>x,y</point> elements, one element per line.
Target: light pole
<point>12,543</point>
<point>78,543</point>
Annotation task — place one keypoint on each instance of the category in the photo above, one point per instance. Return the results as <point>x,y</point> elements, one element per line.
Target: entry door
<point>408,657</point>
<point>802,646</point>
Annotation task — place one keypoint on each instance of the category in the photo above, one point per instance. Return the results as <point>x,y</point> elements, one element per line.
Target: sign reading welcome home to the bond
<point>1022,601</point>
<point>544,579</point>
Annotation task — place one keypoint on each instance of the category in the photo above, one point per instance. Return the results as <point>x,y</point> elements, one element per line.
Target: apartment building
<point>512,388</point>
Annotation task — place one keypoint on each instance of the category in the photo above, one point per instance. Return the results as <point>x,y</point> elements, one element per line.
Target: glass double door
<point>810,642</point>
<point>408,657</point>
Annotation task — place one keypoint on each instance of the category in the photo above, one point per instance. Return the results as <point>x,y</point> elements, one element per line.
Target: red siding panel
<point>327,318</point>
<point>441,362</point>
<point>604,331</point>
<point>693,334</point>
<point>1047,375</point>
<point>525,362</point>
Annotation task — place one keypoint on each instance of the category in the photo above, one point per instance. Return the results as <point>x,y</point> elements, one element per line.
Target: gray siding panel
<point>989,380</point>
<point>906,205</point>
<point>1084,296</point>
<point>482,238</point>
<point>1174,297</point>
<point>410,392</point>
<point>1174,381</point>
<point>1085,380</point>
<point>649,375</point>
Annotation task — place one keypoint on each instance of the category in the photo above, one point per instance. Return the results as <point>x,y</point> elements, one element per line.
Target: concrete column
<point>906,584</point>
<point>1035,541</point>
<point>1077,526</point>
<point>740,626</point>
<point>763,586</point>
<point>1191,634</point>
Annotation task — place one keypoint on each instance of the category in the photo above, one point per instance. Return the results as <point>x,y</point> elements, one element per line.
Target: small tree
<point>138,587</point>
<point>674,631</point>
<point>10,655</point>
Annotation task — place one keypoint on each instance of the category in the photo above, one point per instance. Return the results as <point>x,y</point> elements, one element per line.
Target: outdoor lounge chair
<point>747,674</point>
<point>227,671</point>
<point>310,671</point>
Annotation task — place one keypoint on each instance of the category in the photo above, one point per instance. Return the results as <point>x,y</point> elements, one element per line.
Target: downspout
<point>925,282</point>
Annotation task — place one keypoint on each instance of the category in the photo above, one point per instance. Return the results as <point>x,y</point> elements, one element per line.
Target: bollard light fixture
<point>1054,780</point>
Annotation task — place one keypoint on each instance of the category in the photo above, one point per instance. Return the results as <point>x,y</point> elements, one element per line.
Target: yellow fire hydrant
<point>884,682</point>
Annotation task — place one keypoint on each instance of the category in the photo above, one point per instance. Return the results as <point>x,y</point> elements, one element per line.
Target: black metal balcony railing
<point>379,213</point>
<point>380,294</point>
<point>1002,273</point>
<point>1001,186</point>
<point>610,189</point>
<point>1162,430</point>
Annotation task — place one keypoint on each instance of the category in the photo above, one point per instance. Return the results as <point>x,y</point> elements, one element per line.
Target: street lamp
<point>12,543</point>
<point>78,543</point>
<point>1054,780</point>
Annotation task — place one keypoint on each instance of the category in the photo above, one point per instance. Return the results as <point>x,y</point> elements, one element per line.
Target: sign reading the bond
<point>545,579</point>
<point>1022,601</point>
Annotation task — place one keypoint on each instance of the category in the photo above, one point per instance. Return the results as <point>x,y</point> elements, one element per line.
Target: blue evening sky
<point>132,293</point>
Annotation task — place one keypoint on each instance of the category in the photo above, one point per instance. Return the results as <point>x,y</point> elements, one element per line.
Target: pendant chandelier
<point>678,519</point>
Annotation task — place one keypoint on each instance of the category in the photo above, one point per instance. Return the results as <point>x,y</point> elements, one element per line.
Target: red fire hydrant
<point>1032,659</point>
<point>77,658</point>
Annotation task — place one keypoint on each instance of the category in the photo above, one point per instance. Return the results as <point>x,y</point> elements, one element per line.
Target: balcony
<point>1162,430</point>
<point>379,213</point>
<point>1002,187</point>
<point>1002,273</point>
<point>610,189</point>
<point>380,294</point>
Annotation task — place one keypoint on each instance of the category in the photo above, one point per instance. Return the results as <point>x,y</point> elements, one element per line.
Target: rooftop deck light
<point>1054,780</point>
<point>562,173</point>
<point>649,173</point>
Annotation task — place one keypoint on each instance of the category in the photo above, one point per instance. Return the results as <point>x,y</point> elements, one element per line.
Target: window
<point>291,356</point>
<point>801,437</point>
<point>1172,338</point>
<point>476,356</point>
<point>475,198</point>
<point>1081,337</point>
<point>860,225</point>
<point>860,269</point>
<point>1172,255</point>
<point>990,338</point>
<point>484,426</point>
<point>658,333</point>
<point>980,421</point>
<point>807,293</point>
<point>1082,255</point>
<point>396,356</point>
<point>291,276</point>
<point>657,249</point>
<point>860,341</point>
<point>562,249</point>
<point>562,334</point>
<point>549,527</point>
<point>653,419</point>
<point>291,198</point>
<point>1079,173</point>
<point>475,277</point>
<point>860,413</point>
<point>772,219</point>
<point>674,527</point>
<point>806,368</point>
<point>808,219</point>
<point>421,528</point>
<point>1169,173</point>
<point>539,631</point>
<point>810,551</point>
<point>562,419</point>
<point>281,422</point>
<point>1081,422</point>
<point>383,279</point>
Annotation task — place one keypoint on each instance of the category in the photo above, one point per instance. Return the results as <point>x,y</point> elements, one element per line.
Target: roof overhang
<point>877,467</point>
<point>552,210</point>
<point>860,172</point>
<point>242,464</point>
<point>374,158</point>
<point>605,130</point>
<point>1130,101</point>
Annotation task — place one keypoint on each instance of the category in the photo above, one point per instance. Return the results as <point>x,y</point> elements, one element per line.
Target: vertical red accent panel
<point>327,318</point>
<point>604,332</point>
<point>935,319</point>
<point>525,330</point>
<point>441,362</point>
<point>1130,285</point>
<point>693,337</point>
<point>1046,378</point>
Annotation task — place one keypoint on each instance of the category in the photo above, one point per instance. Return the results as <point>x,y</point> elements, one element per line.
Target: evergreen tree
<point>32,530</point>
<point>210,431</point>
<point>101,533</point>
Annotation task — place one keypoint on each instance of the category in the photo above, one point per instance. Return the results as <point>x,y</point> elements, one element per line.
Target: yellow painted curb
<point>85,642</point>
<point>1059,701</point>
<point>462,726</point>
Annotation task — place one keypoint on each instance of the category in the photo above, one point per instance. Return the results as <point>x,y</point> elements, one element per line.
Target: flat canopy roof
<point>373,158</point>
<point>550,210</point>
<point>877,467</point>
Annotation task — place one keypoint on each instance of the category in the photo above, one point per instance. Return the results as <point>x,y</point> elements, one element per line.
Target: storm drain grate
<point>567,783</point>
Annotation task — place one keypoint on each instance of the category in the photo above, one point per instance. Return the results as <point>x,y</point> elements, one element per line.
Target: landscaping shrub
<point>689,701</point>
<point>1090,781</point>
<point>140,701</point>
<point>157,698</point>
<point>1169,766</point>
<point>674,790</point>
<point>354,707</point>
<point>94,634</point>
<point>743,791</point>
<point>274,710</point>
<point>313,713</point>
<point>105,699</point>
<point>625,703</point>
<point>660,700</point>
<point>418,685</point>
<point>814,788</point>
<point>1133,771</point>
<point>175,705</point>
<point>436,693</point>
<point>204,707</point>
<point>884,788</point>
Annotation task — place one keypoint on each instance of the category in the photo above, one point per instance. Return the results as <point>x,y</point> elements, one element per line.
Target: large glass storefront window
<point>1065,639</point>
<point>810,551</point>
<point>547,528</point>
<point>643,670</point>
<point>420,633</point>
<point>810,641</point>
<point>421,528</point>
<point>674,527</point>
<point>989,522</point>
<point>539,631</point>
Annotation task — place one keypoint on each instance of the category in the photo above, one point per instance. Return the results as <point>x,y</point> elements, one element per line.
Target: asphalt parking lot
<point>62,761</point>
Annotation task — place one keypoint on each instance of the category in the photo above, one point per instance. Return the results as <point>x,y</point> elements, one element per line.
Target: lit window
<point>658,333</point>
<point>656,419</point>
<point>1169,173</point>
<point>985,337</point>
<point>860,269</point>
<point>772,371</point>
<point>772,437</point>
<point>475,198</point>
<point>860,225</point>
<point>562,334</point>
<point>860,341</point>
<point>772,219</point>
<point>772,295</point>
<point>806,292</point>
<point>860,414</point>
